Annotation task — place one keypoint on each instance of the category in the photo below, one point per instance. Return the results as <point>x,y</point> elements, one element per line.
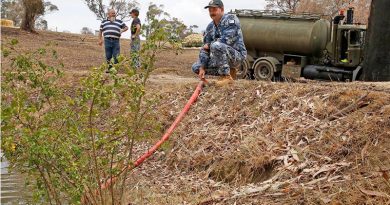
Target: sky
<point>74,14</point>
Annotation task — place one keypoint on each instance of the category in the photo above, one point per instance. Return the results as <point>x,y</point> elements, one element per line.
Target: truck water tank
<point>283,34</point>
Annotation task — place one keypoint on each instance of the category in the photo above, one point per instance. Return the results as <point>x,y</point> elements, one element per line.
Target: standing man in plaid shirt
<point>111,28</point>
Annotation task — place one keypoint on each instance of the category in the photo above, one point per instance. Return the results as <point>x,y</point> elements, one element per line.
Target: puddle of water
<point>12,185</point>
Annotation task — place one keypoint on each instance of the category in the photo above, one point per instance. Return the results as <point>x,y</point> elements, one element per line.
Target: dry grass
<point>7,23</point>
<point>81,52</point>
<point>275,143</point>
<point>253,142</point>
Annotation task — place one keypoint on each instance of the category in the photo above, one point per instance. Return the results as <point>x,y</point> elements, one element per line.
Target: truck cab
<point>348,45</point>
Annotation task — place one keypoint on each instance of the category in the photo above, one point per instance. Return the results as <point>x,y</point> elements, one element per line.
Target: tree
<point>32,9</point>
<point>192,27</point>
<point>86,31</point>
<point>154,14</point>
<point>41,24</point>
<point>174,26</point>
<point>332,7</point>
<point>28,14</point>
<point>49,7</point>
<point>189,30</point>
<point>377,59</point>
<point>177,25</point>
<point>122,8</point>
<point>328,8</point>
<point>283,5</point>
<point>362,10</point>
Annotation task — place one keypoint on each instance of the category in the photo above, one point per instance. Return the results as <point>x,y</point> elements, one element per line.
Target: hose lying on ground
<point>165,137</point>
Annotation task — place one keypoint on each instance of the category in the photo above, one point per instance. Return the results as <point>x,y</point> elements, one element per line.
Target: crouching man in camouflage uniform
<point>224,48</point>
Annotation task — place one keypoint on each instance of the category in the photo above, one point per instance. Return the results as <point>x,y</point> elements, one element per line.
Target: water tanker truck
<point>293,46</point>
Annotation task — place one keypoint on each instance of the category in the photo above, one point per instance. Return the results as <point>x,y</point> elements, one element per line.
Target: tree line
<point>324,7</point>
<point>29,14</point>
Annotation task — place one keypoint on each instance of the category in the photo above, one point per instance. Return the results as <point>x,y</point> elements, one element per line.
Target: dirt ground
<point>80,53</point>
<point>253,142</point>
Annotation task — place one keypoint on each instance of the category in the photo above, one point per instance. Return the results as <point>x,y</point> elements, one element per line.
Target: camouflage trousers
<point>218,60</point>
<point>135,47</point>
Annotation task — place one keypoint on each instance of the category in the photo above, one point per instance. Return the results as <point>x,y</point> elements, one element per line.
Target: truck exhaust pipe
<point>350,16</point>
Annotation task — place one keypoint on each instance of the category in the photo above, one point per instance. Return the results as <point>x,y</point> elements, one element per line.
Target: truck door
<point>355,47</point>
<point>350,47</point>
<point>343,55</point>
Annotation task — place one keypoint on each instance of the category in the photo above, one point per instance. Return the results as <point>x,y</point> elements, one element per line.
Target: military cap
<point>214,3</point>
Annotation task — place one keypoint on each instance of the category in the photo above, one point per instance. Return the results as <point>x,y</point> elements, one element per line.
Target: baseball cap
<point>214,3</point>
<point>134,11</point>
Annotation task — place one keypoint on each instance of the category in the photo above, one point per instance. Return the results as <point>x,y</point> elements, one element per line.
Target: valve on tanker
<point>337,19</point>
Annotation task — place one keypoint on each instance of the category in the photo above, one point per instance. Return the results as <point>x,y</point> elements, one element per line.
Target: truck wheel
<point>243,70</point>
<point>263,70</point>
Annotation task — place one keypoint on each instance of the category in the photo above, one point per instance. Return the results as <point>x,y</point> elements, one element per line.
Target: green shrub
<point>70,143</point>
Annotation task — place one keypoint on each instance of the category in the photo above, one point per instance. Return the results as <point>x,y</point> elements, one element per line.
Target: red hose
<point>165,137</point>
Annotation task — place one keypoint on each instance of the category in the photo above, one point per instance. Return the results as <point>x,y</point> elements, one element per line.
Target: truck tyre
<point>243,70</point>
<point>263,70</point>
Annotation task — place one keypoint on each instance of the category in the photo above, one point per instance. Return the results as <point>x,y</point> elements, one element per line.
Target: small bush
<point>69,145</point>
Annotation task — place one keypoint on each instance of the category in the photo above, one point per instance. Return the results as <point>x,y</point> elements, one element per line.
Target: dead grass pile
<point>322,142</point>
<point>193,40</point>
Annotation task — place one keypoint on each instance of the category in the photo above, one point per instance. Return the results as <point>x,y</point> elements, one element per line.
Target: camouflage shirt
<point>228,31</point>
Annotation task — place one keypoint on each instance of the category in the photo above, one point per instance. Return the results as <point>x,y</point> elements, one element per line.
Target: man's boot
<point>224,80</point>
<point>233,73</point>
